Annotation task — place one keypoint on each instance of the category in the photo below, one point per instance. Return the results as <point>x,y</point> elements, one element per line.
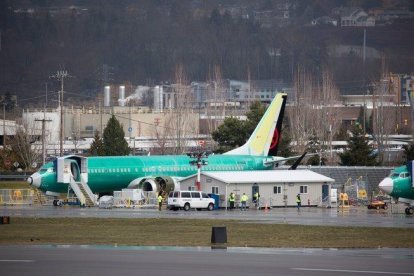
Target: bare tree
<point>329,123</point>
<point>300,114</point>
<point>183,110</point>
<point>314,112</point>
<point>162,133</point>
<point>383,121</point>
<point>23,146</point>
<point>216,100</point>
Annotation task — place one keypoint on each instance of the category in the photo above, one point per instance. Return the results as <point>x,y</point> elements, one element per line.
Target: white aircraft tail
<point>267,133</point>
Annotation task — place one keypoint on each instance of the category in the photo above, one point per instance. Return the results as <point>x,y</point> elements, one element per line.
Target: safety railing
<point>123,199</point>
<point>16,196</point>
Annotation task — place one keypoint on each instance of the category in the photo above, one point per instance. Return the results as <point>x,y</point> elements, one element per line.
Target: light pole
<point>61,75</point>
<point>198,161</point>
<point>4,126</point>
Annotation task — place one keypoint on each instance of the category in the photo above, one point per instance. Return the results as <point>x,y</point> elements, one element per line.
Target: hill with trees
<point>142,42</point>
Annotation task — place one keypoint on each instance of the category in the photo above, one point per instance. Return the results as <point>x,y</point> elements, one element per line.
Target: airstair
<point>73,170</point>
<point>83,192</point>
<point>39,197</point>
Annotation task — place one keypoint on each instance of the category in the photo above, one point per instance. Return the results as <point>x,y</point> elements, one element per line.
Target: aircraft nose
<point>34,180</point>
<point>386,185</point>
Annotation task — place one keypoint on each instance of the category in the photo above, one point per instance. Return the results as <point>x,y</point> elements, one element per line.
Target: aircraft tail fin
<point>267,133</point>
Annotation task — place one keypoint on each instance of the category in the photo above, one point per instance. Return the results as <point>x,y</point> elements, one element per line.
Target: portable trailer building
<point>277,188</point>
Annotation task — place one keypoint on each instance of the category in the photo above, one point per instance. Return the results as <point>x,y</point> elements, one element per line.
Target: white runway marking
<point>17,261</point>
<point>353,271</point>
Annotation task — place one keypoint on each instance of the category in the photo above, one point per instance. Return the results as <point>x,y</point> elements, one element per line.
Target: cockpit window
<point>394,175</point>
<point>404,175</point>
<point>49,170</point>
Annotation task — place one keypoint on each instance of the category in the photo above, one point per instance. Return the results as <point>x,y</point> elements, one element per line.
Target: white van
<point>189,199</point>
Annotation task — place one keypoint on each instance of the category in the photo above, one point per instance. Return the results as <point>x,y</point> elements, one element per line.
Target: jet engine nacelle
<point>157,184</point>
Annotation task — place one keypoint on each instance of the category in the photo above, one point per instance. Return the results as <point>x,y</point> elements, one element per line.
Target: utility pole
<point>364,84</point>
<point>46,94</point>
<point>100,115</point>
<point>43,136</point>
<point>4,126</point>
<point>61,75</point>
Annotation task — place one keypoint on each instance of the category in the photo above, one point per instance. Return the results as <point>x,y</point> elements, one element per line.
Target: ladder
<point>39,197</point>
<point>83,192</point>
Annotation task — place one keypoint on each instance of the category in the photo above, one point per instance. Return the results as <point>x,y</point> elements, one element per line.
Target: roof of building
<point>273,176</point>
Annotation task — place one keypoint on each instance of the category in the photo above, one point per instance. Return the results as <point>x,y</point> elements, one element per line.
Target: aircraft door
<point>255,189</point>
<point>325,192</point>
<point>73,166</point>
<point>74,169</point>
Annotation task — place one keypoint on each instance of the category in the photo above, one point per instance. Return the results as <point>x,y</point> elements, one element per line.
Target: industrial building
<point>277,188</point>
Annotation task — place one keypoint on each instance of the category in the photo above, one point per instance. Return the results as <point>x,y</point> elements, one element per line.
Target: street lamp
<point>198,161</point>
<point>4,126</point>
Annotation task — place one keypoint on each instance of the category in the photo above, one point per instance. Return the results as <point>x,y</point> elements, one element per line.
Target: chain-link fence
<point>16,196</point>
<point>128,198</point>
<point>357,191</point>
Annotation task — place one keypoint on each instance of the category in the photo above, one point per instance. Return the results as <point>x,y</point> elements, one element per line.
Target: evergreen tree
<point>314,147</point>
<point>284,147</point>
<point>96,148</point>
<point>408,152</point>
<point>114,139</point>
<point>232,133</point>
<point>256,112</point>
<point>358,152</point>
<point>9,102</point>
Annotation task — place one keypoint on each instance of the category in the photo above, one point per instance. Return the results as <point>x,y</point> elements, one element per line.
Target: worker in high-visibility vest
<point>298,201</point>
<point>243,201</point>
<point>232,198</point>
<point>256,199</point>
<point>159,201</point>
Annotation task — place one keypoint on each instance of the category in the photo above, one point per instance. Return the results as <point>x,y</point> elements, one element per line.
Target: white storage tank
<point>158,98</point>
<point>107,96</point>
<point>121,100</point>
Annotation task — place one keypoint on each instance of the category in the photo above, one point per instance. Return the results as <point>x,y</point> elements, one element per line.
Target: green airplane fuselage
<point>108,174</point>
<point>402,183</point>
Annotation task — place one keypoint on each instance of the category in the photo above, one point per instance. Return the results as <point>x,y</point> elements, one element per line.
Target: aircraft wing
<point>279,160</point>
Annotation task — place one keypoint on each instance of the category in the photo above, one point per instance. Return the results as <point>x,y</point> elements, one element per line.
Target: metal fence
<point>141,199</point>
<point>16,196</point>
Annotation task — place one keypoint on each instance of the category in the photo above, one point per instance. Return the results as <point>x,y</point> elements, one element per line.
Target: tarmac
<point>158,260</point>
<point>71,260</point>
<point>350,216</point>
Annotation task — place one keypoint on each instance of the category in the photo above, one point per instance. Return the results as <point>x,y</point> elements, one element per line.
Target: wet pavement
<point>352,216</point>
<point>177,261</point>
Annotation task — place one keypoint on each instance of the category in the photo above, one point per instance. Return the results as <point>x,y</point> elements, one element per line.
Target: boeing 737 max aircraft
<point>399,184</point>
<point>152,173</point>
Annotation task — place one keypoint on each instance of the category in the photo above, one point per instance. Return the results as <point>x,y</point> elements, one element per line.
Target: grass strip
<point>187,232</point>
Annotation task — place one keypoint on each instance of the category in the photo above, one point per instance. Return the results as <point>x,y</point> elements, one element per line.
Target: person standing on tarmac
<point>256,198</point>
<point>231,200</point>
<point>298,201</point>
<point>159,201</point>
<point>243,201</point>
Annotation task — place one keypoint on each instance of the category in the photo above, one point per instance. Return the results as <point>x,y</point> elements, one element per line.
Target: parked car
<point>189,199</point>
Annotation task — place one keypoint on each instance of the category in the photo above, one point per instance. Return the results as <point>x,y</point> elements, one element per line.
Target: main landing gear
<point>409,211</point>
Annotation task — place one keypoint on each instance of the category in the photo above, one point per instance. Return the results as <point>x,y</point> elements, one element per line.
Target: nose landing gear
<point>409,211</point>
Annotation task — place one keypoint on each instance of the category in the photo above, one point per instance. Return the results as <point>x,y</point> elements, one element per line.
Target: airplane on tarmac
<point>106,174</point>
<point>399,184</point>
